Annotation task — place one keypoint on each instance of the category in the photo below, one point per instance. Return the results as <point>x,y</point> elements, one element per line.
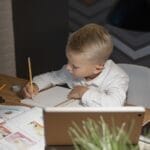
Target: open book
<point>9,111</point>
<point>23,132</point>
<point>55,96</point>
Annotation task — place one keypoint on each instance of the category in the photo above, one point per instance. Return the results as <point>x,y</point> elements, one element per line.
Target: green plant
<point>98,136</point>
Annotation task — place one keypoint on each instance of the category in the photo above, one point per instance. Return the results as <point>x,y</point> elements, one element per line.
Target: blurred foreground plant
<point>97,136</point>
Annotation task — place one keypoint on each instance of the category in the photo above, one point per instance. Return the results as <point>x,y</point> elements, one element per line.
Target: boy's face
<point>80,67</point>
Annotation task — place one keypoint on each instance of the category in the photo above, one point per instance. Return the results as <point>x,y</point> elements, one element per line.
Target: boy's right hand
<point>28,92</point>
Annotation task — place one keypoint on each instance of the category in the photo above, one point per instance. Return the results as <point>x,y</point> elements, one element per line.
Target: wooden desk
<point>14,99</point>
<point>7,93</point>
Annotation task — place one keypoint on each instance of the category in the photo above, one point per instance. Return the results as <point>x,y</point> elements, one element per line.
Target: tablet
<point>57,120</point>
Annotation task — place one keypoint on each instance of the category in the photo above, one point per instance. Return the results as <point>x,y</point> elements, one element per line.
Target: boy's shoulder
<point>110,64</point>
<point>114,68</point>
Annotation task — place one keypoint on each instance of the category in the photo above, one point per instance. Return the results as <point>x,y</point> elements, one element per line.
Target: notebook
<point>53,97</point>
<point>57,120</point>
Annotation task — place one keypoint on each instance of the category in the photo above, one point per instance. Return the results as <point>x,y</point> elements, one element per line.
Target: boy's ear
<point>99,68</point>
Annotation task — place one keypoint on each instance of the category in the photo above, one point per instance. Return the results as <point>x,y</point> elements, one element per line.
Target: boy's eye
<point>74,67</point>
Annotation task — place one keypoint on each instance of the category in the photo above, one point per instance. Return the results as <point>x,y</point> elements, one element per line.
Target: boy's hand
<point>77,92</point>
<point>28,92</point>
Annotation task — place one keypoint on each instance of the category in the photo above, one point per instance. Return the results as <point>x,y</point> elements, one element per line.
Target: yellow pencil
<point>30,73</point>
<point>1,87</point>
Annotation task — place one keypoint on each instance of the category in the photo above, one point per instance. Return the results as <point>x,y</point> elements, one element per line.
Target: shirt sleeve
<point>112,96</point>
<point>51,78</point>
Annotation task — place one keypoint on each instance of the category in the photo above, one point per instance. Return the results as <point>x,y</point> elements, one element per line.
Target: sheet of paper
<point>9,111</point>
<point>25,131</point>
<point>34,114</point>
<point>51,97</point>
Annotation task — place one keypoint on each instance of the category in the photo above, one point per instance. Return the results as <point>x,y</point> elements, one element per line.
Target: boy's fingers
<point>35,89</point>
<point>26,93</point>
<point>29,89</point>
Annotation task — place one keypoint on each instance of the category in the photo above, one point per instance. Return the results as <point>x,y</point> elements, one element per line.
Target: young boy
<point>94,79</point>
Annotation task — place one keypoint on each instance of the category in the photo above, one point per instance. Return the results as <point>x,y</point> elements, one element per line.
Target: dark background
<point>41,31</point>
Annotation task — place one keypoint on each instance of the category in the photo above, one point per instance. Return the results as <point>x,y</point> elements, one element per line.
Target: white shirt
<point>108,89</point>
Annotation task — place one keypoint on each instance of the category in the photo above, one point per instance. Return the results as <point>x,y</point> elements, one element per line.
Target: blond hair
<point>93,41</point>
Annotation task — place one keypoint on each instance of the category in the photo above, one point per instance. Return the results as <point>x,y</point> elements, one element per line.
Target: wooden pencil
<point>30,73</point>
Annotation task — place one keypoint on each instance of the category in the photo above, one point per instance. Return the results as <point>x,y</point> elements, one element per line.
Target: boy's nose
<point>69,68</point>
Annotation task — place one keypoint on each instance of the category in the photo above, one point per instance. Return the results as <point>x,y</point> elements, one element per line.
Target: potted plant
<point>98,136</point>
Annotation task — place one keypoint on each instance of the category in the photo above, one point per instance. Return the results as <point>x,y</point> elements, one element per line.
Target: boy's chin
<point>76,77</point>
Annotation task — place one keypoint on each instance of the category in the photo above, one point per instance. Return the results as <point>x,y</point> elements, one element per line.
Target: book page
<point>51,97</point>
<point>9,111</point>
<point>23,132</point>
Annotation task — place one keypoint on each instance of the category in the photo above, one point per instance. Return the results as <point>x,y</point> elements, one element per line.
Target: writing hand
<point>28,91</point>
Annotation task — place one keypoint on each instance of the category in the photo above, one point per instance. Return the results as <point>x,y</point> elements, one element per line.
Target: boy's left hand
<point>77,92</point>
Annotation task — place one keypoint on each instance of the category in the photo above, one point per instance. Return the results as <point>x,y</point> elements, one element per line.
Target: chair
<point>139,85</point>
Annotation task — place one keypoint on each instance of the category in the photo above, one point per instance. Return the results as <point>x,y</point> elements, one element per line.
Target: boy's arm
<point>50,78</point>
<point>113,95</point>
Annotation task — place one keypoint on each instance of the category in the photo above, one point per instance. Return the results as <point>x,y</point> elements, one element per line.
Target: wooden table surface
<point>7,93</point>
<point>13,98</point>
